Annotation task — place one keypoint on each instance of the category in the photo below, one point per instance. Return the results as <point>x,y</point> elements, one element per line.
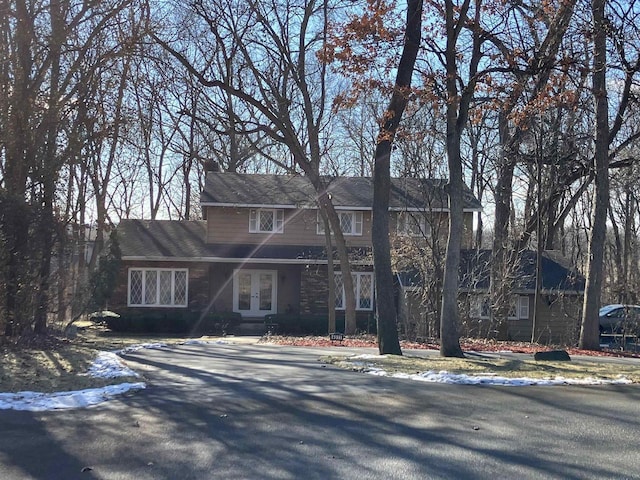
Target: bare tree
<point>283,89</point>
<point>47,49</point>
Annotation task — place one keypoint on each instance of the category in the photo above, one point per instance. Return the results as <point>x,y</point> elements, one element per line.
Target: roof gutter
<point>337,207</point>
<point>283,261</point>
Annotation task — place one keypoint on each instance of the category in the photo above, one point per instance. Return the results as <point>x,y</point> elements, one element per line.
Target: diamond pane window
<point>150,287</point>
<point>135,287</point>
<point>350,223</point>
<point>154,287</point>
<point>363,284</point>
<point>266,221</point>
<point>180,288</point>
<point>365,297</point>
<point>346,222</point>
<point>339,291</point>
<point>165,287</point>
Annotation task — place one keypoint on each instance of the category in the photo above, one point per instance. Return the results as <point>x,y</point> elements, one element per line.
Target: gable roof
<point>185,241</point>
<point>475,269</point>
<point>295,191</point>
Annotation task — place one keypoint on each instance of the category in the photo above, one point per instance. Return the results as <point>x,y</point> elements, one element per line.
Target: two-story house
<point>261,248</point>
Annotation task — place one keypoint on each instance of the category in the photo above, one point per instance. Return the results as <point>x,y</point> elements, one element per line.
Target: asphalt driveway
<point>273,412</point>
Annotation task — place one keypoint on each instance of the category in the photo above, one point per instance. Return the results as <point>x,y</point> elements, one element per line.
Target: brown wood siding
<point>439,225</point>
<point>231,225</point>
<point>558,321</point>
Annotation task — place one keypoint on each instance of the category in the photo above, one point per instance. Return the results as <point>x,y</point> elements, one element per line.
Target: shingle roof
<point>225,188</point>
<point>557,273</point>
<point>185,240</point>
<point>161,238</point>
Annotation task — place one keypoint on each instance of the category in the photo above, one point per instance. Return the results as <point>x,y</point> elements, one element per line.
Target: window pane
<point>339,291</point>
<point>366,291</point>
<point>150,287</point>
<point>135,288</point>
<point>165,287</point>
<point>513,307</point>
<point>414,225</point>
<point>279,227</point>
<point>357,223</point>
<point>266,290</point>
<point>253,220</point>
<point>180,288</point>
<point>266,220</point>
<point>346,222</point>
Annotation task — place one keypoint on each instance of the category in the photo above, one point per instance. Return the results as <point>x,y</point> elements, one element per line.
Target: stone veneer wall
<point>313,290</point>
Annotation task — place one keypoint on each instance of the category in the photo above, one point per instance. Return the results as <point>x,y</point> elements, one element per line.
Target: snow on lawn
<point>483,379</point>
<point>38,402</point>
<point>106,365</point>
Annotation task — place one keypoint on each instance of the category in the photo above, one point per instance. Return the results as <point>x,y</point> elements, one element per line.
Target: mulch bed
<point>467,344</point>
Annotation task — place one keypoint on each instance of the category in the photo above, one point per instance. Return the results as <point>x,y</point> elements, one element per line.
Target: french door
<point>254,292</point>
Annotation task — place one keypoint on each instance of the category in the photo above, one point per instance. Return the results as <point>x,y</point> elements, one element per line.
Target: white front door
<point>254,292</point>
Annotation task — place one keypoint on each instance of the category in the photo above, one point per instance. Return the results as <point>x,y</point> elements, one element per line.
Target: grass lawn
<point>484,365</point>
<point>58,364</point>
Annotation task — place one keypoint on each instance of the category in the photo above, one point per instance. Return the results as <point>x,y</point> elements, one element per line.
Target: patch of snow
<point>106,365</point>
<point>140,346</point>
<point>38,402</point>
<point>197,341</point>
<point>368,356</point>
<point>109,365</point>
<point>489,378</point>
<point>462,379</point>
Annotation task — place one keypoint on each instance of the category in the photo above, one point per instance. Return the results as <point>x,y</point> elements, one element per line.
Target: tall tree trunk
<point>326,206</point>
<point>457,109</point>
<point>500,258</point>
<point>385,305</point>
<point>18,160</point>
<point>49,169</point>
<point>589,331</point>
<point>331,283</point>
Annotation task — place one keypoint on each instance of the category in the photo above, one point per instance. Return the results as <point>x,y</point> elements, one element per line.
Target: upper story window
<point>263,220</point>
<point>158,287</point>
<point>350,223</point>
<point>412,224</point>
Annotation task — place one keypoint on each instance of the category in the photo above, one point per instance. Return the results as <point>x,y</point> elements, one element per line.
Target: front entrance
<point>254,292</point>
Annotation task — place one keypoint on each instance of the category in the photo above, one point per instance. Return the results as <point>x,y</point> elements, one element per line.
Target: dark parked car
<point>620,319</point>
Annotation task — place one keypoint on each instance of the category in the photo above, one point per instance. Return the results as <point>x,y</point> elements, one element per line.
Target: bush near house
<point>318,324</point>
<point>218,323</point>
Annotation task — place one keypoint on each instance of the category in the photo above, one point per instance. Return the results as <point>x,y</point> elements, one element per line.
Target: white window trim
<point>357,222</point>
<point>254,220</point>
<point>402,224</point>
<point>357,276</point>
<point>173,280</point>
